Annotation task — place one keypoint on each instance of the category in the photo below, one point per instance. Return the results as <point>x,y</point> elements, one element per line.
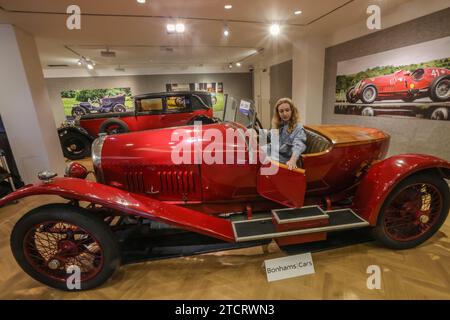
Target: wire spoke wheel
<point>413,212</point>
<point>56,243</point>
<point>52,247</point>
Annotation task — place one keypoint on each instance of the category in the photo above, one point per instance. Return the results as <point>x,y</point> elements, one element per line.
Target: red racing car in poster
<point>404,85</point>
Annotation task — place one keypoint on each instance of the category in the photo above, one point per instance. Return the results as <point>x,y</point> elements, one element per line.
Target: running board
<point>266,228</point>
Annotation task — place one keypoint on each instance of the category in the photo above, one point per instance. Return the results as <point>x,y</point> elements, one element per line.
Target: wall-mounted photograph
<point>93,101</point>
<point>412,81</point>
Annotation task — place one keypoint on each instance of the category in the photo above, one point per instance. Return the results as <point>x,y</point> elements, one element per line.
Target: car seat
<point>315,143</point>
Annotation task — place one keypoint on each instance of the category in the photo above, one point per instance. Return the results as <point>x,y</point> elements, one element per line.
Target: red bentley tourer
<point>345,182</point>
<point>404,85</point>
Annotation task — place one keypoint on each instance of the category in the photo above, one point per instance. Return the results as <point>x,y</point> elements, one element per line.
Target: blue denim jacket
<point>289,143</point>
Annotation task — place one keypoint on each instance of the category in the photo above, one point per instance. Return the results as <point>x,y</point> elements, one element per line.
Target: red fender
<point>383,176</point>
<point>129,203</point>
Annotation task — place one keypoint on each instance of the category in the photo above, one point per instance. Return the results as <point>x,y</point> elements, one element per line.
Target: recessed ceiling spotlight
<point>90,65</point>
<point>230,65</point>
<point>238,64</point>
<point>297,12</point>
<point>140,1</point>
<point>228,6</point>
<point>79,62</point>
<point>226,31</point>
<point>274,29</point>
<point>170,27</point>
<point>179,28</point>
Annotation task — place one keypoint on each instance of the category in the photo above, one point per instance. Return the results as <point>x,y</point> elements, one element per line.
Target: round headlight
<point>76,170</point>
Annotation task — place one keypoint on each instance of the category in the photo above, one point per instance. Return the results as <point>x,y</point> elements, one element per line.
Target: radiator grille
<point>178,182</point>
<point>170,182</point>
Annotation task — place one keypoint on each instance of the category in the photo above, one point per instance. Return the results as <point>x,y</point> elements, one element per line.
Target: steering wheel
<point>256,125</point>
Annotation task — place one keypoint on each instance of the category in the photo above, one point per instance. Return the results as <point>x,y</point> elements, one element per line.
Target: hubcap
<point>53,264</point>
<point>369,94</point>
<point>424,219</point>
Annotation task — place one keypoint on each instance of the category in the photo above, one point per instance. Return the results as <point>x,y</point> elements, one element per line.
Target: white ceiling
<point>136,32</point>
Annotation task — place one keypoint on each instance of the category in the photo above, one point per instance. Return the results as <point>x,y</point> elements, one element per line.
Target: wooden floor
<point>420,273</point>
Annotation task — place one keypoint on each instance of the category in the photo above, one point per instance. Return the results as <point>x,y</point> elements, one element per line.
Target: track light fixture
<point>178,28</point>
<point>87,63</point>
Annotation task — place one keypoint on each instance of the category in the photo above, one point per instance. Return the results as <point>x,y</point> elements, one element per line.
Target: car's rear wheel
<point>113,126</point>
<point>65,247</point>
<point>440,89</point>
<point>75,145</point>
<point>413,212</point>
<point>369,94</point>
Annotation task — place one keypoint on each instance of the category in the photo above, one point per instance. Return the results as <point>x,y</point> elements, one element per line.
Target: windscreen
<point>239,110</point>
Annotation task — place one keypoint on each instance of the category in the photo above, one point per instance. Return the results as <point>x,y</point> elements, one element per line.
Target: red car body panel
<point>146,167</point>
<point>286,187</point>
<point>129,203</point>
<point>402,84</point>
<point>384,176</point>
<point>137,122</point>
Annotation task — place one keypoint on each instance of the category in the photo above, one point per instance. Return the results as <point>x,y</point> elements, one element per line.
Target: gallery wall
<point>235,84</point>
<point>280,82</point>
<point>408,135</point>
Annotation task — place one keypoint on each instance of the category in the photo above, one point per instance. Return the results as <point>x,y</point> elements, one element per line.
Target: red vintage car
<point>154,110</point>
<point>344,183</point>
<point>405,85</point>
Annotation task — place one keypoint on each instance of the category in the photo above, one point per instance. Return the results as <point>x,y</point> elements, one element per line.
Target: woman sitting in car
<point>291,135</point>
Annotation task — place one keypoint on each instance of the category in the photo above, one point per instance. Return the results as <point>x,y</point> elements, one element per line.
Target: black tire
<point>78,111</point>
<point>440,89</point>
<point>439,184</point>
<point>365,94</point>
<point>113,126</point>
<point>75,145</point>
<point>350,98</point>
<point>118,108</point>
<point>79,217</point>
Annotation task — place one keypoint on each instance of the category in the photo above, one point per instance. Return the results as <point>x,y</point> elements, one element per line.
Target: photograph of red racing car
<point>403,85</point>
<point>397,84</point>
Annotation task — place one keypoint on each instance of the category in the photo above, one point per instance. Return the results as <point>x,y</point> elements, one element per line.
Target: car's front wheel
<point>351,98</point>
<point>413,211</point>
<point>369,94</point>
<point>65,247</point>
<point>440,89</point>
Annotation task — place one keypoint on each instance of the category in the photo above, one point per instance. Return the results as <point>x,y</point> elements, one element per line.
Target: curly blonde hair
<point>276,120</point>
